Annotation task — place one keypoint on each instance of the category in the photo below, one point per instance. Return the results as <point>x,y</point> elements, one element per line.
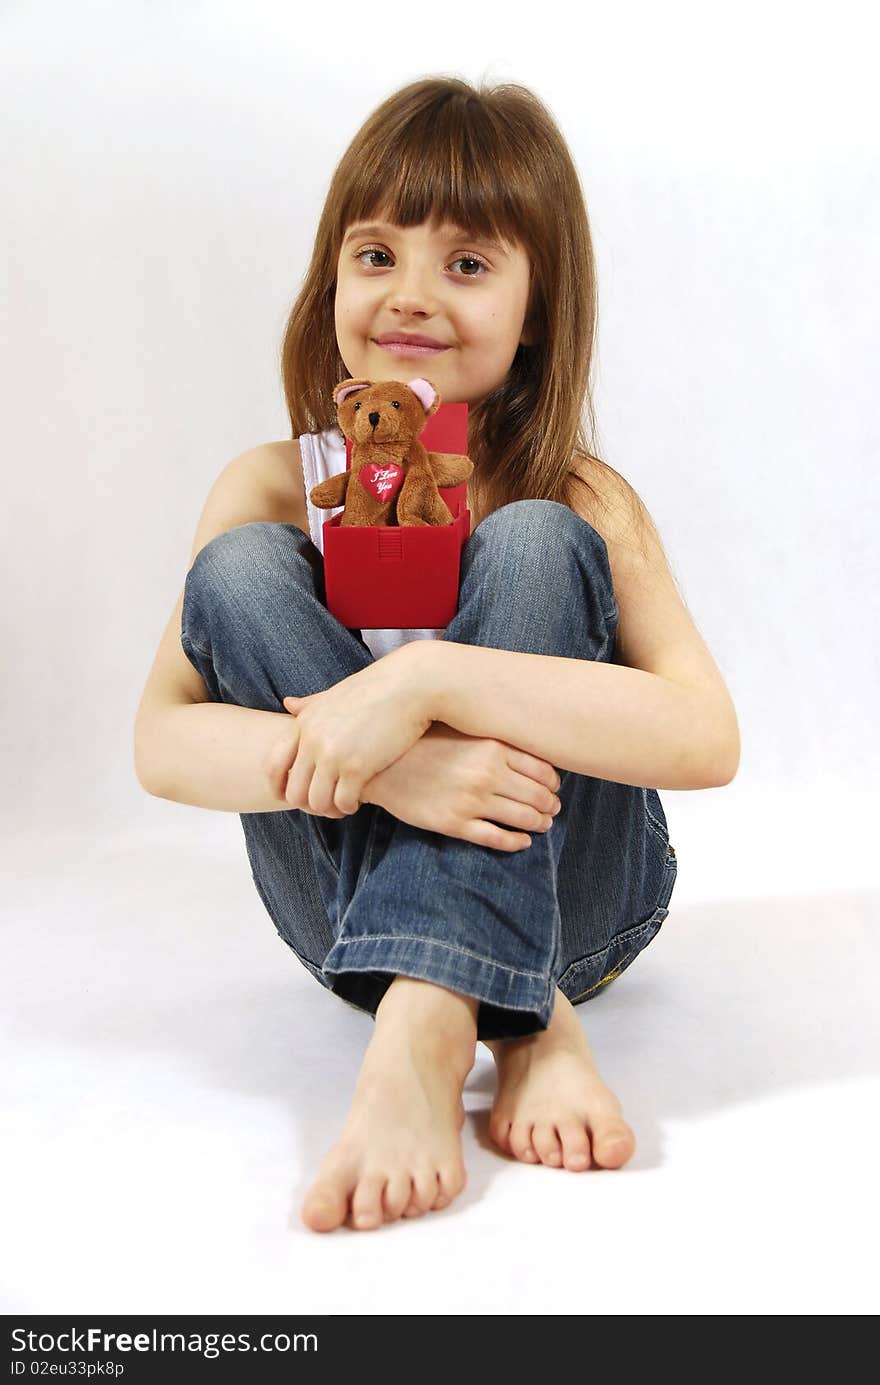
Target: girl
<point>570,685</point>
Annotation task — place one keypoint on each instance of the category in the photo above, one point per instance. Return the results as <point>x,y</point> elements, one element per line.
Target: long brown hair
<point>492,160</point>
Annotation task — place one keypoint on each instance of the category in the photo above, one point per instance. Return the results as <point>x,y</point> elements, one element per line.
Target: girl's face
<point>447,285</point>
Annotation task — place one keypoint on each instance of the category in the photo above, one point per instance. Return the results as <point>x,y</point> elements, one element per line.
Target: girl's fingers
<point>524,789</point>
<point>513,812</point>
<point>487,833</point>
<point>346,797</point>
<point>299,780</point>
<point>277,765</point>
<point>521,762</point>
<point>322,792</point>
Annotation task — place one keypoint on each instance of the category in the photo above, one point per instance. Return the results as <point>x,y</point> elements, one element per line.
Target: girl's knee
<point>536,527</point>
<point>236,555</point>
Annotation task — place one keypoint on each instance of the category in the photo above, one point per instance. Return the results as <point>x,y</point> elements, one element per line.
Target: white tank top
<point>323,455</point>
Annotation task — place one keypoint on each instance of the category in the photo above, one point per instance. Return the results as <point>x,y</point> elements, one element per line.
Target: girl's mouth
<point>402,348</point>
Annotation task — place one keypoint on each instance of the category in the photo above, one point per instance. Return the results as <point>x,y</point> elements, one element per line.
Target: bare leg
<point>551,1105</point>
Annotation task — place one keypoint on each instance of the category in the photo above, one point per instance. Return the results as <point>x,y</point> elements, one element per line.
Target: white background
<point>164,169</point>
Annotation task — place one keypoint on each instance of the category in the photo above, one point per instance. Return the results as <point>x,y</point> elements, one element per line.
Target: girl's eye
<point>462,259</point>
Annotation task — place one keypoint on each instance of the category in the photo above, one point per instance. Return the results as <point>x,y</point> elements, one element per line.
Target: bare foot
<point>400,1151</point>
<point>551,1103</point>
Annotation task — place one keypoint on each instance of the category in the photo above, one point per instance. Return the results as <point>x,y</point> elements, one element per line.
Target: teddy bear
<point>393,479</point>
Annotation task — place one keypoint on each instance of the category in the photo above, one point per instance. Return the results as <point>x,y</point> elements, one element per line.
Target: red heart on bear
<point>382,480</point>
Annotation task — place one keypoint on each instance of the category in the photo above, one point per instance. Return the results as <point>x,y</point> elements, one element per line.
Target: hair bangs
<point>444,166</point>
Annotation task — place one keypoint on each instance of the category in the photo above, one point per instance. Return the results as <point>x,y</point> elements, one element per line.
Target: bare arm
<point>213,755</point>
<point>598,719</point>
<point>217,755</point>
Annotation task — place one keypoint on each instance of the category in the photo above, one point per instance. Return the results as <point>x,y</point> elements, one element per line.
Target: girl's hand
<point>349,733</point>
<point>464,785</point>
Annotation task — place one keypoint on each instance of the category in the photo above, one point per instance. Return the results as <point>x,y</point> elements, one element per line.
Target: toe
<point>575,1145</point>
<point>613,1142</point>
<point>499,1132</point>
<point>398,1191</point>
<point>545,1142</point>
<point>521,1142</point>
<point>450,1180</point>
<point>326,1204</point>
<point>453,1178</point>
<point>426,1186</point>
<point>366,1205</point>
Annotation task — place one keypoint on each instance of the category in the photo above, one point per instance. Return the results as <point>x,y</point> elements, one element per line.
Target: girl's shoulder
<point>278,472</point>
<point>609,503</point>
<point>617,512</point>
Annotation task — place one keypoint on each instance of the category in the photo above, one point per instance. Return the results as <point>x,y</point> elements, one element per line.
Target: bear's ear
<point>426,394</point>
<point>346,387</point>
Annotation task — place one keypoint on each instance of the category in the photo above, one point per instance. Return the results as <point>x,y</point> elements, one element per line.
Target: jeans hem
<point>428,959</point>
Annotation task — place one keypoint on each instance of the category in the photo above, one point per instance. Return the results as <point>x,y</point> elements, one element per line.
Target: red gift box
<point>402,577</point>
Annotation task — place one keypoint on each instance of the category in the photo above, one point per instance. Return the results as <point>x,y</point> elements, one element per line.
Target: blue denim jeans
<point>364,898</point>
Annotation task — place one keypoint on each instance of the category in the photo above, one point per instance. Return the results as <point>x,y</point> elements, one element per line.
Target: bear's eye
<point>356,407</point>
<point>395,404</point>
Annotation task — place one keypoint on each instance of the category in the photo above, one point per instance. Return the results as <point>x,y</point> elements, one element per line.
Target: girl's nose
<point>411,292</point>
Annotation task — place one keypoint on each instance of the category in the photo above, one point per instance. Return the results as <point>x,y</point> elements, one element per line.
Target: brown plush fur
<point>383,421</point>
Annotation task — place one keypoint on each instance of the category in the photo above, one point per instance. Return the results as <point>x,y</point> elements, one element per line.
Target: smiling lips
<point>405,345</point>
